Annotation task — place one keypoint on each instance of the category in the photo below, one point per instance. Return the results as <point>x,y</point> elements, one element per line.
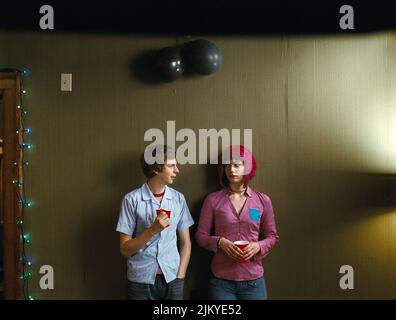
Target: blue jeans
<point>221,289</point>
<point>160,290</point>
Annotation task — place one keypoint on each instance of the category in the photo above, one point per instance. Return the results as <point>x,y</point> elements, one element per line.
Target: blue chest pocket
<point>254,214</point>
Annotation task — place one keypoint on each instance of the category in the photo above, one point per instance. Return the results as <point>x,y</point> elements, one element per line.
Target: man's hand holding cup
<point>162,221</point>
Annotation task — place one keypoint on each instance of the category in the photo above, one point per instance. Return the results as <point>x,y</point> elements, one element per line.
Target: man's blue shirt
<point>138,212</point>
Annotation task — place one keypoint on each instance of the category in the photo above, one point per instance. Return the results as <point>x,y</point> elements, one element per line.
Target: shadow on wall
<point>142,67</point>
<point>199,268</point>
<point>324,206</point>
<point>103,267</point>
<point>372,190</point>
<point>153,68</point>
<point>349,191</point>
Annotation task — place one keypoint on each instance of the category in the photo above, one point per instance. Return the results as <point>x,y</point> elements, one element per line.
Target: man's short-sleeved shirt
<point>138,212</point>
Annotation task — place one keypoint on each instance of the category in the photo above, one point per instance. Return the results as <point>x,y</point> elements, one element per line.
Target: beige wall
<point>323,114</point>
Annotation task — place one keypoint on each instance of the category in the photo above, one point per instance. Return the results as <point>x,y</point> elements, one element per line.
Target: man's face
<point>169,172</point>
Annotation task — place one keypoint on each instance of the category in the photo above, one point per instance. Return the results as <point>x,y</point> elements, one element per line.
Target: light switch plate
<point>66,82</point>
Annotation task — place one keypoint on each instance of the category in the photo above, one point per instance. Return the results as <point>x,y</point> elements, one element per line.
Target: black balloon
<point>169,64</point>
<point>202,56</point>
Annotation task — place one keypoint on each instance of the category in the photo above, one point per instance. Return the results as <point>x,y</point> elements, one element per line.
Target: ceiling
<point>200,17</point>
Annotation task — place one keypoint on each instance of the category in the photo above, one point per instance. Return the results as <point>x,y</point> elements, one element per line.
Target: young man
<point>148,237</point>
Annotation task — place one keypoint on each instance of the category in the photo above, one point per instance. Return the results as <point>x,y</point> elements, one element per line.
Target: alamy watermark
<point>47,280</point>
<point>187,152</point>
<point>347,280</point>
<point>47,20</point>
<point>346,21</point>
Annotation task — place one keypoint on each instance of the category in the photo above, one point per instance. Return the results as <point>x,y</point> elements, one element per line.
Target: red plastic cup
<point>167,212</point>
<point>241,244</point>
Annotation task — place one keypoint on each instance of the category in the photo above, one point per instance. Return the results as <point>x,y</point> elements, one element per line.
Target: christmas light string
<point>20,163</point>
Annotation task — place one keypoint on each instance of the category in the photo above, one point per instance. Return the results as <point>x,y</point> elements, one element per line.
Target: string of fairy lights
<point>20,163</point>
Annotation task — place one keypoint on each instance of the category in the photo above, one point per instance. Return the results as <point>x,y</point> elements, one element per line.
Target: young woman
<point>237,213</point>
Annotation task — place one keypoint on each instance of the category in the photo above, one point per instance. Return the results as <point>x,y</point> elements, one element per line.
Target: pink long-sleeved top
<point>255,223</point>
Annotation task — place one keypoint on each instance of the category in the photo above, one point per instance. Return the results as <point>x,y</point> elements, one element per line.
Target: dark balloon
<point>169,64</point>
<point>202,56</point>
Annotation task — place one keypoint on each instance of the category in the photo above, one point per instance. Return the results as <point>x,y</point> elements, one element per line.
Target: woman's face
<point>235,171</point>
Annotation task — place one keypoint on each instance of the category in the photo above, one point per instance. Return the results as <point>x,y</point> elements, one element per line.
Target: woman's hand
<point>230,249</point>
<point>251,250</point>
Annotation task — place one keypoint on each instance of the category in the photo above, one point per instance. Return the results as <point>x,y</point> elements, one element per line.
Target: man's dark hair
<point>161,153</point>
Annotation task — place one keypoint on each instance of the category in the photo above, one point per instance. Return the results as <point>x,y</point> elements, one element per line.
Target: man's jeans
<point>160,290</point>
<point>221,289</point>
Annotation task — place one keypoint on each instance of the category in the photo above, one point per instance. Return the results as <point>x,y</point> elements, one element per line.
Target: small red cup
<point>167,212</point>
<point>241,244</point>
